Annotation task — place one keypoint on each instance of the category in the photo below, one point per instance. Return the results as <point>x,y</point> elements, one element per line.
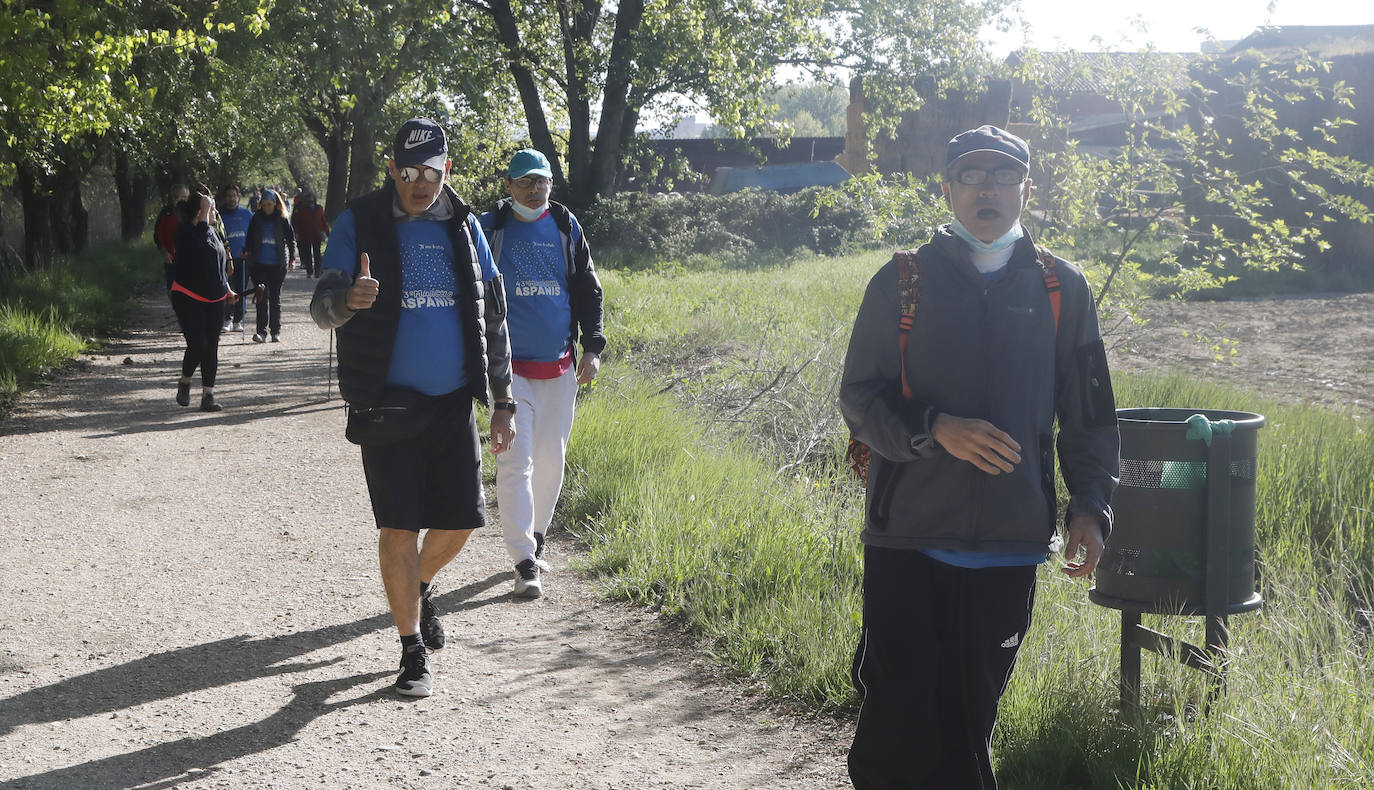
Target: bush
<point>735,228</point>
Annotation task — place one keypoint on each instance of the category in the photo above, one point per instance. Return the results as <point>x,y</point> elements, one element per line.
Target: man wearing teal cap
<point>554,300</point>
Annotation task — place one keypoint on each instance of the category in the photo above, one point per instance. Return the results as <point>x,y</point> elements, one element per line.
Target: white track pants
<point>529,475</point>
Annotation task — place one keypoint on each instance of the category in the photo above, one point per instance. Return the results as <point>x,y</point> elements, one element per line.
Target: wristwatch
<point>504,405</point>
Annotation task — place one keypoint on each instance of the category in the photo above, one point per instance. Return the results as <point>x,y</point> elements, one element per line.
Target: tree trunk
<point>131,186</point>
<point>68,212</point>
<point>38,242</point>
<point>362,173</point>
<point>293,163</point>
<point>599,180</point>
<point>10,262</point>
<point>535,119</point>
<point>577,33</point>
<point>333,138</point>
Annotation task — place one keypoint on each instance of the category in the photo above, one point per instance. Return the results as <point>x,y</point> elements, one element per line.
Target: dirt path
<point>192,600</point>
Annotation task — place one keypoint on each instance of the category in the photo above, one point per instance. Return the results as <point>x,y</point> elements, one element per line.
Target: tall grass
<point>684,509</point>
<point>54,314</point>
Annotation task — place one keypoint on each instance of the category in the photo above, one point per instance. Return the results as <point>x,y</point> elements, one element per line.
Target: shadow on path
<point>199,667</point>
<point>170,764</point>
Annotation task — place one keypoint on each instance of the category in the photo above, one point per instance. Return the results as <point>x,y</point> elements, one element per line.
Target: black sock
<point>410,640</point>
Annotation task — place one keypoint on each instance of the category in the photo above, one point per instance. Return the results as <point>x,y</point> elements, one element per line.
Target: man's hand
<point>502,430</point>
<point>588,367</point>
<point>364,290</point>
<point>1085,534</point>
<point>977,441</point>
<point>232,297</point>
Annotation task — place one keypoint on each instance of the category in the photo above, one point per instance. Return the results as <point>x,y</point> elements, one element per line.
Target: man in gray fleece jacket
<point>960,507</point>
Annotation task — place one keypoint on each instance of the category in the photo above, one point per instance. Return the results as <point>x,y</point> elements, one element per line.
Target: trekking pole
<point>329,383</point>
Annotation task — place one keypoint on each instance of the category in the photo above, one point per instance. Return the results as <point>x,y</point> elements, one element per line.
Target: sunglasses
<point>1003,176</point>
<point>412,174</point>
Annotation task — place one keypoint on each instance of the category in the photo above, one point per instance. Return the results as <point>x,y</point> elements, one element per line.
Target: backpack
<point>908,277</point>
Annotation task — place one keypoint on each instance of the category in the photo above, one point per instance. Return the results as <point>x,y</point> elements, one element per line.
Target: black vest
<point>366,340</point>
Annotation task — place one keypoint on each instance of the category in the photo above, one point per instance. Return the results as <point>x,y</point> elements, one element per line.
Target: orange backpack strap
<point>1051,281</point>
<point>908,274</point>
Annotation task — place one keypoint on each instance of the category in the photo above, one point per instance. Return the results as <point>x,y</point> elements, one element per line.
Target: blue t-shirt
<point>429,355</point>
<point>267,251</point>
<point>986,559</point>
<point>539,310</point>
<point>236,229</point>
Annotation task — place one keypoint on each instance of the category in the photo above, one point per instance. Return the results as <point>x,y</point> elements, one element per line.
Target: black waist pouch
<point>399,416</point>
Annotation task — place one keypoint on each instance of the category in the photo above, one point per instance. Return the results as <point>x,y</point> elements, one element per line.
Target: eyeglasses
<point>412,174</point>
<point>1002,176</point>
<point>531,182</point>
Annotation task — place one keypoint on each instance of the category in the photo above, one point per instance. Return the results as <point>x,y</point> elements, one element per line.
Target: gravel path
<point>192,600</point>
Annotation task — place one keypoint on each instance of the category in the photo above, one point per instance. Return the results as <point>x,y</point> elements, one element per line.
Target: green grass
<point>681,484</point>
<point>50,316</point>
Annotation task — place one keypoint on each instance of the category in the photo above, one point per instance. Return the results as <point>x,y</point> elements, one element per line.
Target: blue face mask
<point>998,244</point>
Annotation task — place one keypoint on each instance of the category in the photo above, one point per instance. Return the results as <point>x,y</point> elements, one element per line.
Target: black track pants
<point>937,648</point>
<point>200,325</point>
<point>269,309</point>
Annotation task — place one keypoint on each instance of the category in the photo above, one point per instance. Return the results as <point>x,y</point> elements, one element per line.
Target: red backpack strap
<point>1051,281</point>
<point>908,275</point>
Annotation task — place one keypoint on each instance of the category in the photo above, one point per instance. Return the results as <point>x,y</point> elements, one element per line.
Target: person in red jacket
<point>307,219</point>
<point>165,230</point>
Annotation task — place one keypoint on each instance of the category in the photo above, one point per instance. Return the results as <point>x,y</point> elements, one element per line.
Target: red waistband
<point>542,370</point>
<point>179,288</point>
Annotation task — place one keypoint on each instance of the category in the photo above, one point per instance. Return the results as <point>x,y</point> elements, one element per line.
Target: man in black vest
<point>421,317</point>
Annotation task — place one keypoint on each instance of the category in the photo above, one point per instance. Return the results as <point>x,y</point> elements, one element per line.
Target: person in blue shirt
<point>235,218</point>
<point>420,311</point>
<point>554,297</point>
<point>269,247</point>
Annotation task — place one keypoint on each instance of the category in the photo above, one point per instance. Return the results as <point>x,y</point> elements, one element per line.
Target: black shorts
<point>433,481</point>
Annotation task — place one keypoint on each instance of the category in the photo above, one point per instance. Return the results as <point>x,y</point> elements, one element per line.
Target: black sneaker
<point>539,553</point>
<point>430,628</point>
<point>183,394</point>
<point>207,403</point>
<point>414,680</point>
<point>527,584</point>
<point>259,337</point>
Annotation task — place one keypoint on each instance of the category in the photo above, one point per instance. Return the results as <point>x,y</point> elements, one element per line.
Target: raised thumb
<point>366,270</point>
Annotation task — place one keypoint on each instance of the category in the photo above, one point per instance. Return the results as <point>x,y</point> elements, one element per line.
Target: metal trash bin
<point>1183,538</point>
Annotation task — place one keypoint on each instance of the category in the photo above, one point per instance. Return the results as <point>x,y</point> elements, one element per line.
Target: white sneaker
<point>238,327</point>
<point>227,324</point>
<point>527,584</point>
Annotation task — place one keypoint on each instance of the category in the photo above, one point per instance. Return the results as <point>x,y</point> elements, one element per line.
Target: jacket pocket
<point>1096,381</point>
<point>1047,481</point>
<point>882,487</point>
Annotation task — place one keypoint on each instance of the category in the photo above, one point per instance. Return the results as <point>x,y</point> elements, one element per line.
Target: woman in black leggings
<point>199,290</point>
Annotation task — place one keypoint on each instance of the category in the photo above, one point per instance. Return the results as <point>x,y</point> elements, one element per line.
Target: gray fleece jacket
<point>985,350</point>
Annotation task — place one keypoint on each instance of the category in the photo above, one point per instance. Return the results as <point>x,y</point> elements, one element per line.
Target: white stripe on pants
<point>529,475</point>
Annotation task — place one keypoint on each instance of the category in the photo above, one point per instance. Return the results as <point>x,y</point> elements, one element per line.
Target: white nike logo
<point>1012,641</point>
<point>418,137</point>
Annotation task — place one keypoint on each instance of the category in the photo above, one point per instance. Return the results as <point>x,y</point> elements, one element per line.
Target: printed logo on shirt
<point>415,300</point>
<point>1012,641</point>
<point>538,288</point>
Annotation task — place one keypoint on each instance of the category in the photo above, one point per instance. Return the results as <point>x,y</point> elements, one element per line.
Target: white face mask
<point>996,245</point>
<point>527,213</point>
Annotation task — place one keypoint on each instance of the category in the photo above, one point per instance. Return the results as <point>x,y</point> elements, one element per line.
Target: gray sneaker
<point>414,680</point>
<point>527,583</point>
